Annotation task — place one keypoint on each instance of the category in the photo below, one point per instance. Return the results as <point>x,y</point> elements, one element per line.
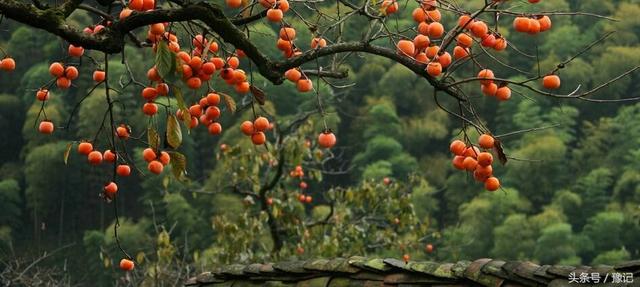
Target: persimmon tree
<point>204,48</point>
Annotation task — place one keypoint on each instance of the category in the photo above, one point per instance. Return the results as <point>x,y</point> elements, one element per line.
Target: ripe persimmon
<point>492,184</point>
<point>46,127</point>
<point>215,128</point>
<point>436,30</point>
<point>485,159</point>
<point>485,171</point>
<point>247,128</point>
<point>94,157</point>
<point>242,88</point>
<point>85,148</point>
<point>148,154</point>
<point>164,158</point>
<point>123,170</point>
<point>500,44</point>
<point>419,15</point>
<point>155,167</point>
<point>423,28</point>
<point>444,59</point>
<point>406,47</point>
<point>261,124</point>
<point>273,14</point>
<point>434,69</point>
<point>194,83</point>
<point>465,21</point>
<point>71,73</point>
<point>283,5</point>
<point>56,69</point>
<point>234,3</point>
<point>460,52</point>
<point>471,151</point>
<point>489,89</point>
<point>479,29</point>
<point>433,15</point>
<point>464,40</point>
<point>545,23</point>
<point>110,189</point>
<point>42,95</point>
<point>126,265</point>
<point>287,33</point>
<point>487,76</point>
<point>327,139</point>
<point>469,163</point>
<point>486,141</point>
<point>123,132</point>
<point>258,138</point>
<point>421,41</point>
<point>293,74</point>
<point>213,99</point>
<point>75,51</point>
<point>521,24</point>
<point>8,64</point>
<point>551,82</point>
<point>150,109</point>
<point>304,85</point>
<point>432,51</point>
<point>109,156</point>
<point>503,93</point>
<point>457,147</point>
<point>156,29</point>
<point>390,6</point>
<point>458,162</point>
<point>318,42</point>
<point>422,58</point>
<point>63,83</point>
<point>534,26</point>
<point>488,40</point>
<point>149,93</point>
<point>99,75</point>
<point>148,4</point>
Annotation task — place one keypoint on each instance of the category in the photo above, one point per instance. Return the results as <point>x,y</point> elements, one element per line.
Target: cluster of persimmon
<point>156,160</point>
<point>142,5</point>
<point>532,25</point>
<point>421,49</point>
<point>298,173</point>
<point>472,159</point>
<point>256,129</point>
<point>304,198</point>
<point>205,112</point>
<point>275,9</point>
<point>95,157</point>
<point>64,75</point>
<point>288,48</point>
<point>489,88</point>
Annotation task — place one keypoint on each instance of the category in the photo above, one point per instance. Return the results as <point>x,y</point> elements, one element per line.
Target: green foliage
<point>557,244</point>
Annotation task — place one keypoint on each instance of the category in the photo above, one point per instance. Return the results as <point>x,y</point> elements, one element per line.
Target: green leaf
<point>229,102</point>
<point>174,134</point>
<point>178,166</point>
<point>165,60</point>
<point>66,153</point>
<point>153,138</point>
